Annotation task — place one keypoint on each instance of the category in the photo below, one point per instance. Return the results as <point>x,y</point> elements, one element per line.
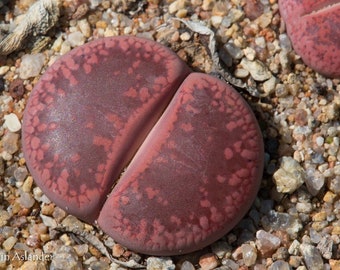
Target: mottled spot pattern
<point>213,189</point>
<point>83,124</point>
<point>314,28</point>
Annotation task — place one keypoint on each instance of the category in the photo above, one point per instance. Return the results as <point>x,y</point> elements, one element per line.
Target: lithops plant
<point>314,29</point>
<point>119,132</point>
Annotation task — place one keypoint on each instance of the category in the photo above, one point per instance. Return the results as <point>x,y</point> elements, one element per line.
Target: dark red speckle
<point>314,28</point>
<point>121,132</point>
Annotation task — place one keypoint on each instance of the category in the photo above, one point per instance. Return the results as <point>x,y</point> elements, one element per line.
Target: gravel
<point>294,221</point>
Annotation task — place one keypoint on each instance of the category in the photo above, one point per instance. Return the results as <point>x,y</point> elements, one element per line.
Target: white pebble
<point>290,176</point>
<point>319,141</point>
<point>76,39</point>
<point>12,122</point>
<point>3,70</point>
<point>31,65</point>
<point>257,69</point>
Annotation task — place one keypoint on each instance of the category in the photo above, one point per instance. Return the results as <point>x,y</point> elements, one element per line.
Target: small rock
<point>99,265</point>
<point>257,69</point>
<point>279,265</point>
<point>282,221</point>
<point>265,19</point>
<point>186,265</point>
<point>229,264</point>
<point>16,89</point>
<point>72,223</point>
<point>249,254</point>
<point>27,186</point>
<point>3,70</point>
<point>334,184</point>
<point>325,247</point>
<point>234,51</point>
<point>269,85</point>
<point>266,242</point>
<point>290,176</point>
<point>10,142</point>
<point>285,42</point>
<point>221,248</point>
<point>294,247</point>
<point>26,199</point>
<point>48,221</point>
<point>117,250</point>
<point>208,261</point>
<point>253,9</point>
<point>241,73</point>
<point>216,21</point>
<point>20,173</point>
<point>65,258</point>
<point>76,39</point>
<point>12,122</point>
<point>31,65</point>
<point>312,257</point>
<point>250,53</point>
<point>81,249</point>
<point>185,36</point>
<point>159,263</point>
<point>315,180</point>
<point>85,27</point>
<point>9,243</point>
<point>304,207</point>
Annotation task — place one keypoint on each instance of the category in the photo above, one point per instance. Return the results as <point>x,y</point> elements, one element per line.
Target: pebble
<point>250,53</point>
<point>290,176</point>
<point>9,243</point>
<point>185,36</point>
<point>117,250</point>
<point>31,65</point>
<point>282,221</point>
<point>279,265</point>
<point>65,258</point>
<point>221,248</point>
<point>266,242</point>
<point>186,265</point>
<point>12,122</point>
<point>265,19</point>
<point>27,186</point>
<point>315,180</point>
<point>312,257</point>
<point>325,246</point>
<point>4,217</point>
<point>20,174</point>
<point>249,254</point>
<point>85,28</point>
<point>26,199</point>
<point>10,141</point>
<point>3,70</point>
<point>76,39</point>
<point>269,86</point>
<point>159,263</point>
<point>72,223</point>
<point>234,51</point>
<point>257,69</point>
<point>81,249</point>
<point>208,261</point>
<point>48,221</point>
<point>241,73</point>
<point>285,43</point>
<point>216,21</point>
